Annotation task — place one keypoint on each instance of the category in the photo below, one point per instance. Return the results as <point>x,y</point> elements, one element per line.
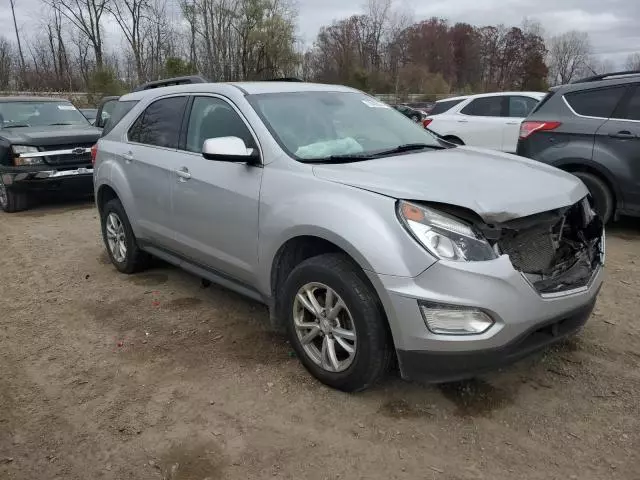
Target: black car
<point>45,144</point>
<point>412,113</point>
<point>591,128</point>
<point>90,114</point>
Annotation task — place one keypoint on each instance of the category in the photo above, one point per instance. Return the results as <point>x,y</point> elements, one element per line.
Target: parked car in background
<point>424,107</point>
<point>415,115</point>
<point>489,120</point>
<point>366,236</point>
<point>591,128</point>
<point>45,144</point>
<point>90,114</point>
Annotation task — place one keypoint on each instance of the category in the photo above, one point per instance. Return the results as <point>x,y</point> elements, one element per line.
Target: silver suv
<point>369,238</point>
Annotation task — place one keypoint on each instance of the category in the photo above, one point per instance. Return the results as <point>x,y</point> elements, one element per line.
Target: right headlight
<point>20,161</point>
<point>444,236</point>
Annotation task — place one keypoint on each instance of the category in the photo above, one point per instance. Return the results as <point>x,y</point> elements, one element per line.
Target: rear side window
<point>520,106</point>
<point>159,124</point>
<point>595,103</point>
<point>630,110</point>
<point>119,111</point>
<point>484,107</point>
<point>444,106</point>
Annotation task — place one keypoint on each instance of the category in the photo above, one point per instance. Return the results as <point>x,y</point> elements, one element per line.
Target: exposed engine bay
<point>557,250</point>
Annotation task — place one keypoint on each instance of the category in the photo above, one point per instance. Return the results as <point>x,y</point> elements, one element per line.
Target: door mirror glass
<point>228,149</point>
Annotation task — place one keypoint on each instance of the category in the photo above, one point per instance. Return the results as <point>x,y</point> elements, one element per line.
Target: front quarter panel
<point>364,224</point>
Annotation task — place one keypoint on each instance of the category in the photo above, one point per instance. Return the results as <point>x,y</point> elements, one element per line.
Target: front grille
<point>69,159</point>
<point>531,250</point>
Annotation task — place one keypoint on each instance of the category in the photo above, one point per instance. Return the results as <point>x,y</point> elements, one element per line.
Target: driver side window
<point>212,118</point>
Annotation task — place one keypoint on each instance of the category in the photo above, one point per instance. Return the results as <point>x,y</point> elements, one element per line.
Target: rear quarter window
<point>120,109</point>
<point>595,103</point>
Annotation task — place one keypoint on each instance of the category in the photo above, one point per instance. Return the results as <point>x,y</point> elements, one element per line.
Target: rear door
<point>618,147</point>
<point>482,121</point>
<point>518,108</point>
<point>150,158</point>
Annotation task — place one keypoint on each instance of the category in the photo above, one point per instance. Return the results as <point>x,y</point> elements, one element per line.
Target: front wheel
<point>12,201</point>
<point>336,324</point>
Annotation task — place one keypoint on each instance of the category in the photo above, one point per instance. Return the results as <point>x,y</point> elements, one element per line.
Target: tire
<point>363,314</point>
<point>454,140</point>
<point>603,200</point>
<point>12,201</point>
<point>133,260</point>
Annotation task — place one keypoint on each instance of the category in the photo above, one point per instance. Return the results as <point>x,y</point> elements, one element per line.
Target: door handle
<point>463,121</point>
<point>128,157</point>
<point>512,123</point>
<point>183,173</point>
<point>623,135</point>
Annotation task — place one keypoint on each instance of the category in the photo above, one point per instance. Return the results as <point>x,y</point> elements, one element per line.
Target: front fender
<point>362,223</point>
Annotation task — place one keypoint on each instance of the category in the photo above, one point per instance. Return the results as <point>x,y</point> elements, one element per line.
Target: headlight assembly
<point>444,236</point>
<point>20,161</point>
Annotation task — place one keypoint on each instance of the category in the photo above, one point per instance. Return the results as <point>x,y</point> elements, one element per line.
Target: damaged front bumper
<point>529,311</point>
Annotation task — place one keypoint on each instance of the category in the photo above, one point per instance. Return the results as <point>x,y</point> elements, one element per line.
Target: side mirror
<point>229,149</point>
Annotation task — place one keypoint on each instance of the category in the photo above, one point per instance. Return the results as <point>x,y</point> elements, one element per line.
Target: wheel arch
<point>585,166</point>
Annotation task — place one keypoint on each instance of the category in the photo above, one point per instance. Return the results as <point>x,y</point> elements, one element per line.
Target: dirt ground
<point>104,376</point>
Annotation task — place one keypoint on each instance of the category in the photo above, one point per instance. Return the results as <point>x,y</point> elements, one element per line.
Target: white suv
<point>489,120</point>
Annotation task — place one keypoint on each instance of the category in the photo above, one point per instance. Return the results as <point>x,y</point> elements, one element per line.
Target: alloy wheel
<point>116,239</point>
<point>325,327</point>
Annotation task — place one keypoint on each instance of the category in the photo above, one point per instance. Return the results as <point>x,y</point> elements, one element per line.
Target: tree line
<point>381,50</point>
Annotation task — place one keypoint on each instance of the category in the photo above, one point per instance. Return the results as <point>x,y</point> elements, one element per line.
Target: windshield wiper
<point>60,123</point>
<point>17,125</point>
<point>409,147</point>
<point>343,158</point>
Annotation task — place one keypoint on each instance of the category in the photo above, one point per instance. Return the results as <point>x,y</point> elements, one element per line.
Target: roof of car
<point>249,88</point>
<point>588,84</point>
<point>494,94</point>
<point>26,98</point>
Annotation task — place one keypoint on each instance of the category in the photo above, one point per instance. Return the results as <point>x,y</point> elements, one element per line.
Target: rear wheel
<point>603,199</point>
<point>12,201</point>
<point>336,324</point>
<point>119,239</point>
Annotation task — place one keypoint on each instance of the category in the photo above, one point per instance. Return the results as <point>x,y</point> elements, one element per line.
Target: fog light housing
<point>455,320</point>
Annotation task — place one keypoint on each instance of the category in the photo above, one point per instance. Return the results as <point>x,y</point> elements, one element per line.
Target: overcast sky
<point>613,25</point>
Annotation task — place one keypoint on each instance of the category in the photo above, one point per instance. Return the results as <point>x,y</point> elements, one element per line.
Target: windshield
<point>32,114</point>
<point>320,125</point>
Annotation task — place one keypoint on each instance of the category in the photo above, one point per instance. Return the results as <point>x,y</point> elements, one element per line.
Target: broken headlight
<point>444,236</point>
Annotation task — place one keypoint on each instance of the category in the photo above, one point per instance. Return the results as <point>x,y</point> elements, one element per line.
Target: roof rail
<point>283,79</point>
<point>170,81</point>
<point>604,76</point>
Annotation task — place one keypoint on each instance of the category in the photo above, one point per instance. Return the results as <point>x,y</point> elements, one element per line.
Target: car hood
<point>51,135</point>
<point>497,186</point>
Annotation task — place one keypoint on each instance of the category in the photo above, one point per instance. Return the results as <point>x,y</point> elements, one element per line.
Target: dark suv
<point>591,128</point>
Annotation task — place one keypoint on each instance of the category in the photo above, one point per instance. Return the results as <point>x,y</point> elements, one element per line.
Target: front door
<point>617,146</point>
<point>215,203</point>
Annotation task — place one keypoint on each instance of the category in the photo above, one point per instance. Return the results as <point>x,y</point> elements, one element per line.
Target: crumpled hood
<point>497,186</point>
<point>51,135</point>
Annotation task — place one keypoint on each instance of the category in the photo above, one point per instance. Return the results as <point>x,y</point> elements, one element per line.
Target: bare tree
<point>86,16</point>
<point>15,25</point>
<point>131,16</point>
<point>6,62</point>
<point>569,55</point>
<point>633,61</point>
